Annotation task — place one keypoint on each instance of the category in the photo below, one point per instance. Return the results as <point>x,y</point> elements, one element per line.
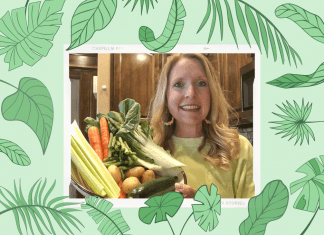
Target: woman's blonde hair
<point>224,141</point>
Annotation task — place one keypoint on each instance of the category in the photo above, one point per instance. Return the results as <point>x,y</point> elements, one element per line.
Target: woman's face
<point>188,94</point>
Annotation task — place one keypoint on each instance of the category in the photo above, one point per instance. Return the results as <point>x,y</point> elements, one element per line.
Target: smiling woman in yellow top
<point>190,118</point>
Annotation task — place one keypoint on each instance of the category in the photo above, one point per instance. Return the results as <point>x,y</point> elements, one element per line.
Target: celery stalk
<point>88,176</point>
<point>110,185</point>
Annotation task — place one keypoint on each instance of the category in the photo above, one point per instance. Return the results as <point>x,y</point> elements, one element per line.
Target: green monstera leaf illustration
<point>160,206</point>
<point>269,205</point>
<point>206,211</point>
<point>171,33</point>
<point>30,42</point>
<point>38,209</point>
<point>89,17</point>
<point>31,104</point>
<point>110,223</point>
<point>312,194</point>
<point>14,152</point>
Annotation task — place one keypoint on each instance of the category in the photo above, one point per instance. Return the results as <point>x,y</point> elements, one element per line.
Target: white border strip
<point>196,48</point>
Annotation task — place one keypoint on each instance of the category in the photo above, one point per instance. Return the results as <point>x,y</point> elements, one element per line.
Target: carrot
<point>95,141</point>
<point>104,136</point>
<point>121,194</point>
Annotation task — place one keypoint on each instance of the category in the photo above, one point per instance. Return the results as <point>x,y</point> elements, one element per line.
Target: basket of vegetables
<point>123,147</point>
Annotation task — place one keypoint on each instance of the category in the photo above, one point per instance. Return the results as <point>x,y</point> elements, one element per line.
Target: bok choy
<point>126,125</point>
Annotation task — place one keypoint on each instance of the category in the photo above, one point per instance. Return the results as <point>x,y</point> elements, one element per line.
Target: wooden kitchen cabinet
<point>134,76</point>
<point>227,67</point>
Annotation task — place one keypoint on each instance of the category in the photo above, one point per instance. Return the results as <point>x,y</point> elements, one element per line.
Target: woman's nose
<point>191,91</point>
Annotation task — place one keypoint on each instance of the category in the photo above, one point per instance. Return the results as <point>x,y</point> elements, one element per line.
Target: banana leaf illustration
<point>269,205</point>
<point>31,104</point>
<point>171,33</point>
<point>295,123</point>
<point>312,24</point>
<point>299,81</point>
<point>263,30</point>
<point>89,17</point>
<point>311,198</point>
<point>38,209</point>
<point>16,154</point>
<point>28,43</point>
<point>111,223</point>
<point>147,4</point>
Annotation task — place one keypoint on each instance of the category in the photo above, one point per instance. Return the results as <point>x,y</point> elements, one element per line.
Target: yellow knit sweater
<point>237,182</point>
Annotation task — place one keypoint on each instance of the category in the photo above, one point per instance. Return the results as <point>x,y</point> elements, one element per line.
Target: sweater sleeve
<point>243,179</point>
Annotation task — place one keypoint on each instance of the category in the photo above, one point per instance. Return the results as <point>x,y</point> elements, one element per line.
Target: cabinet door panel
<point>135,77</point>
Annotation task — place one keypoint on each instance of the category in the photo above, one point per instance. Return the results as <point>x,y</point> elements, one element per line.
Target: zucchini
<point>154,187</point>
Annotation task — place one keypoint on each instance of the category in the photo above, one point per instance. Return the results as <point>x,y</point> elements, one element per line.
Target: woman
<point>190,118</point>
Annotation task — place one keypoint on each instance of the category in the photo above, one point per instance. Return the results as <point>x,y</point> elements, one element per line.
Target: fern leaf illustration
<point>262,29</point>
<point>111,223</point>
<point>36,210</point>
<point>30,42</point>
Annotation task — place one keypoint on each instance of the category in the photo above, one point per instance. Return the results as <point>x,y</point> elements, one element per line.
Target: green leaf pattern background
<point>279,159</point>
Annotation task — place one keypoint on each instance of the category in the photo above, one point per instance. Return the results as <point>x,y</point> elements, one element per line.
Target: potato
<point>148,176</point>
<point>129,184</point>
<point>115,173</point>
<point>135,172</point>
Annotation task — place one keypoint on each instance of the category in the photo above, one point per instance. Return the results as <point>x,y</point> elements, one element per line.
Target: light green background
<point>279,158</point>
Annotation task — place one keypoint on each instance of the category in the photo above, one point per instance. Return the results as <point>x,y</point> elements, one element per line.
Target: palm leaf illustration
<point>30,42</point>
<point>111,223</point>
<point>295,123</point>
<point>146,3</point>
<point>262,29</point>
<point>37,208</point>
<point>312,193</point>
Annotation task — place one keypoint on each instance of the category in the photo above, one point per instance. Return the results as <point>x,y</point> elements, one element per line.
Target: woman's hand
<point>185,189</point>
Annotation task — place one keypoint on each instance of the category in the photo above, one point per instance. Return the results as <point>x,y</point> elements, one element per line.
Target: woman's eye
<point>178,84</point>
<point>202,83</point>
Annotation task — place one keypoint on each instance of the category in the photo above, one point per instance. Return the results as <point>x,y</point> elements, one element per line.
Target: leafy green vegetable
<point>268,206</point>
<point>206,212</point>
<point>31,104</point>
<point>110,223</point>
<point>171,33</point>
<point>29,44</point>
<point>160,206</point>
<point>126,125</point>
<point>14,152</point>
<point>312,24</point>
<point>299,81</point>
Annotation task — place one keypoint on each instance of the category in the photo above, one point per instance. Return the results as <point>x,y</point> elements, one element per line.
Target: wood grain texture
<point>135,77</point>
<point>88,61</point>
